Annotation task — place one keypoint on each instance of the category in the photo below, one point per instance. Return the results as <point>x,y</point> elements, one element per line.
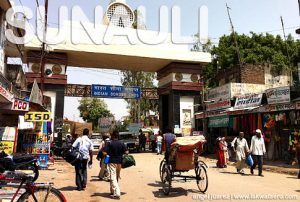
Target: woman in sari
<point>220,154</point>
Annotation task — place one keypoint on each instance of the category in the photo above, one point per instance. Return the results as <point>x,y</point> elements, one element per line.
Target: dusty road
<point>141,183</point>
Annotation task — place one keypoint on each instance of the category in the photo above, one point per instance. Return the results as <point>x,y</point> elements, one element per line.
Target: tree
<point>91,109</point>
<point>144,80</point>
<point>254,49</point>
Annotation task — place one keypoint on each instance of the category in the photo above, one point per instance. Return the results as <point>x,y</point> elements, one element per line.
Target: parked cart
<point>184,157</point>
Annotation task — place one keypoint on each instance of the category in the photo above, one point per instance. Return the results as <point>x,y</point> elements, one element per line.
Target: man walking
<point>240,147</point>
<point>142,140</point>
<point>257,149</point>
<point>85,147</point>
<point>159,142</point>
<point>115,149</point>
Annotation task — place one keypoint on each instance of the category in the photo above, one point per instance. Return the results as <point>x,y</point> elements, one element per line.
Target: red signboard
<point>6,94</point>
<point>20,105</point>
<point>218,105</point>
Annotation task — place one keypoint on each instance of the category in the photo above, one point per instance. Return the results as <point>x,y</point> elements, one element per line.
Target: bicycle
<point>36,192</point>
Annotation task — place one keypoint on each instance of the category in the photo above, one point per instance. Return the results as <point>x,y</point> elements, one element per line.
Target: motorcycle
<point>19,162</point>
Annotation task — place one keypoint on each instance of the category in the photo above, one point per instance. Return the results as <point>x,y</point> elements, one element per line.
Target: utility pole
<point>284,35</point>
<point>234,38</point>
<point>43,52</point>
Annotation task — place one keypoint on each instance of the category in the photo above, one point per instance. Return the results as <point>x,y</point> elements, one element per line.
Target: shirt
<point>85,145</point>
<point>159,139</point>
<point>241,147</point>
<point>169,138</point>
<point>257,146</point>
<point>115,149</point>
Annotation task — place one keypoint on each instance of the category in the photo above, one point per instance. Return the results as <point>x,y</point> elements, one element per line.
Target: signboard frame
<point>117,92</point>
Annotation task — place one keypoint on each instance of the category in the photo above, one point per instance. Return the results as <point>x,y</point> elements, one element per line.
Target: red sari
<point>220,156</point>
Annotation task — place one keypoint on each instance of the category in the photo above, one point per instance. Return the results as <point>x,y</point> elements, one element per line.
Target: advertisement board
<point>7,147</point>
<point>278,95</point>
<point>218,122</point>
<point>248,101</point>
<point>240,89</point>
<point>38,116</point>
<point>20,105</point>
<point>219,93</point>
<point>218,105</point>
<point>105,124</point>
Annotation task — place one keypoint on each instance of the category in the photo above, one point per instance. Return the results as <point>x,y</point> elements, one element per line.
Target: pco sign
<point>38,116</point>
<point>20,105</point>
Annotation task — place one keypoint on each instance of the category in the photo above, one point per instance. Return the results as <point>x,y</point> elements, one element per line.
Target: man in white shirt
<point>258,150</point>
<point>85,147</point>
<point>241,148</point>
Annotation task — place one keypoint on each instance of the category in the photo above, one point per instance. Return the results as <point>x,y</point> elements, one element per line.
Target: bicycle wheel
<point>166,180</point>
<point>161,166</point>
<point>201,178</point>
<point>43,195</point>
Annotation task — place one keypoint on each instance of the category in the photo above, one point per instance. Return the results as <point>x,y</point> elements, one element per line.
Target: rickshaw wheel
<point>161,167</point>
<point>201,178</point>
<point>166,180</point>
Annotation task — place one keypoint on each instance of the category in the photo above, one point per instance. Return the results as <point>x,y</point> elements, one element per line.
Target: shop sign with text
<point>218,122</point>
<point>218,105</point>
<point>7,95</point>
<point>219,93</point>
<point>38,117</point>
<point>20,105</point>
<point>278,107</point>
<point>241,89</point>
<point>7,147</point>
<point>248,101</point>
<point>278,95</point>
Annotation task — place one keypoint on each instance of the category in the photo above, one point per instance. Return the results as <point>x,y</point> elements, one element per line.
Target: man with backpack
<point>85,147</point>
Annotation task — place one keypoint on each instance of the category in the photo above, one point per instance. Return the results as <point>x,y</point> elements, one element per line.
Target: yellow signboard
<point>37,116</point>
<point>7,147</point>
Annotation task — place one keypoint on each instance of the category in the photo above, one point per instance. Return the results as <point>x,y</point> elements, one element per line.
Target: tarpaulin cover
<point>189,143</point>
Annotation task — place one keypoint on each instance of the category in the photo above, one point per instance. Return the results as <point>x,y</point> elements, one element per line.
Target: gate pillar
<point>179,90</point>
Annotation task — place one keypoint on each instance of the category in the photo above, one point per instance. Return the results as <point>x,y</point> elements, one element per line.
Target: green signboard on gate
<point>219,122</point>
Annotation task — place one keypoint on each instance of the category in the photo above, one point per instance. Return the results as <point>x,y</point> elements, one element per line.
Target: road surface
<point>142,183</point>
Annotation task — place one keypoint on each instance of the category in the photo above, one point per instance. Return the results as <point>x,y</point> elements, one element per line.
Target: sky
<point>261,16</point>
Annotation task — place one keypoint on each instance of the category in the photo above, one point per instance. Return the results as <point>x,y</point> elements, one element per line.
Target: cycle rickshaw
<point>184,156</point>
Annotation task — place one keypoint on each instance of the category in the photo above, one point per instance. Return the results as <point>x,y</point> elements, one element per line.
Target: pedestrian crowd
<point>111,155</point>
<point>253,156</point>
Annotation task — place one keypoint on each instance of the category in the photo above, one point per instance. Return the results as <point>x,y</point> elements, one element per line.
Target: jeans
<point>81,173</point>
<point>159,147</point>
<point>258,159</point>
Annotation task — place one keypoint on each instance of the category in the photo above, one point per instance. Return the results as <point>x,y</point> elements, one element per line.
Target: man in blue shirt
<point>85,147</point>
<point>115,149</point>
<point>168,139</point>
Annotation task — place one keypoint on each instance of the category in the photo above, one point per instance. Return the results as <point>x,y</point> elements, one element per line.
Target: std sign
<point>20,105</point>
<point>38,116</point>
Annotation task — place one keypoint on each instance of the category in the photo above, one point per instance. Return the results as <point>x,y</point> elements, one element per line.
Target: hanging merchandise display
<point>269,121</point>
<point>36,141</point>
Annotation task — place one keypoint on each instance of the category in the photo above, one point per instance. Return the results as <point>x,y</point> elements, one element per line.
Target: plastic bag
<point>249,160</point>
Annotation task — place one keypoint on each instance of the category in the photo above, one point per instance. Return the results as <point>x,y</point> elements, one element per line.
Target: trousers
<point>258,160</point>
<point>114,170</point>
<point>81,173</point>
